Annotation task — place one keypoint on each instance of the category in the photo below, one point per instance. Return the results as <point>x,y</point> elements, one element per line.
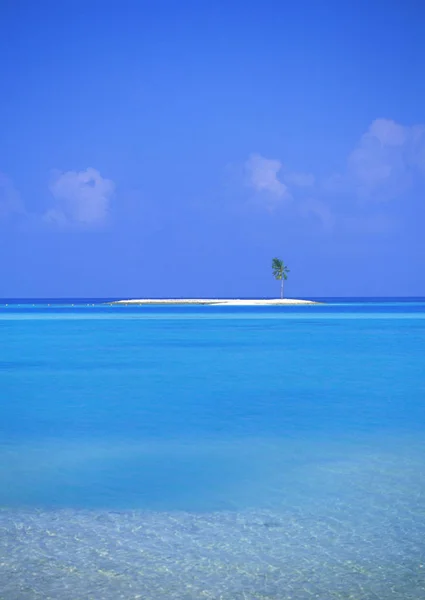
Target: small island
<point>280,273</point>
<point>216,302</point>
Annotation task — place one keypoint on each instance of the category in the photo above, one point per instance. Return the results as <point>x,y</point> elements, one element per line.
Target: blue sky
<point>174,148</point>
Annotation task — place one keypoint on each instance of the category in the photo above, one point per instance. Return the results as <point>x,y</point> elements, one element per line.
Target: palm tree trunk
<point>281,289</point>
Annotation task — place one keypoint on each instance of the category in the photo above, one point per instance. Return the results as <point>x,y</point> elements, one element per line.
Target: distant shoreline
<point>217,302</point>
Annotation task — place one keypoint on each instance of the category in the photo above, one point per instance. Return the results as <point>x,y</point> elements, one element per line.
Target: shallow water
<point>212,452</point>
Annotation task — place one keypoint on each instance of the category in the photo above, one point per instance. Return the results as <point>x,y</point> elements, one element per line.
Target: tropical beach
<point>217,302</point>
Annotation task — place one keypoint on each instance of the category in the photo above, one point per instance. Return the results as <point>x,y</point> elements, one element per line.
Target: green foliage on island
<point>280,272</point>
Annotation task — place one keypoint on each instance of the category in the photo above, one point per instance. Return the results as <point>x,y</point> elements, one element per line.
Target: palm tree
<point>280,272</point>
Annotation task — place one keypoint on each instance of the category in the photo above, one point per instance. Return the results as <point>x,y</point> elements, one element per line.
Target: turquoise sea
<point>219,453</point>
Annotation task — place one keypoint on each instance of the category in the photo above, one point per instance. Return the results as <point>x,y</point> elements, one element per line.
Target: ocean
<point>206,452</point>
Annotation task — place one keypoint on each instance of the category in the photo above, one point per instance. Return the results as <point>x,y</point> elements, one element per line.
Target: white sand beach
<point>219,301</point>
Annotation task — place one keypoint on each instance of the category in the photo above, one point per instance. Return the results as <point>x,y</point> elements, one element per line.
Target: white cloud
<point>386,164</point>
<point>10,200</point>
<point>388,132</point>
<point>81,198</point>
<point>262,176</point>
<point>386,161</point>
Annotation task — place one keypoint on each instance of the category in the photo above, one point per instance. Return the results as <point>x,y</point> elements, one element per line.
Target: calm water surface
<point>212,452</point>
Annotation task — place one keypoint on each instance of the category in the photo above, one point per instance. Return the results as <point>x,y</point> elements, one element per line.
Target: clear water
<point>212,452</point>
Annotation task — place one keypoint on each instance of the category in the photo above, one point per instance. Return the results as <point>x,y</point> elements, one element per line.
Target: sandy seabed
<point>363,543</point>
<point>257,555</point>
